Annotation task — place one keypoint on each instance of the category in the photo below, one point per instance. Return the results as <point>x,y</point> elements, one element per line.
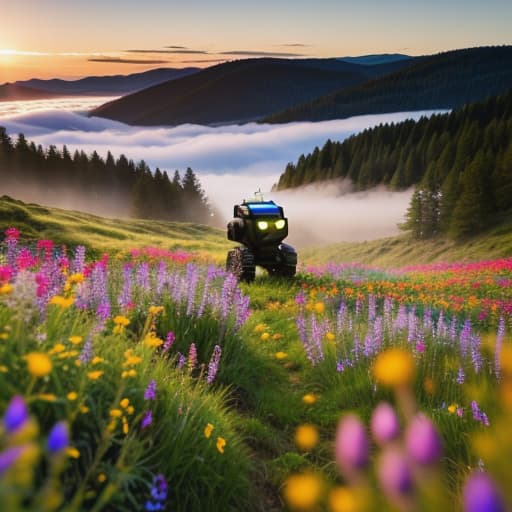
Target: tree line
<point>102,185</point>
<point>460,164</point>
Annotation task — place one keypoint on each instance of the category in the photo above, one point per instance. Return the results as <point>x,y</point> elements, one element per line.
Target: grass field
<point>152,380</point>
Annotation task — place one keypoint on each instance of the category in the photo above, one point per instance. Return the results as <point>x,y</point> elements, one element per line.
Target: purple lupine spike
<point>340,317</point>
<point>87,351</point>
<point>16,414</point>
<point>476,356</point>
<point>169,340</point>
<point>412,325</point>
<point>377,331</point>
<point>12,235</point>
<point>191,278</point>
<point>359,306</point>
<point>371,307</point>
<point>242,310</point>
<point>401,318</point>
<point>479,415</point>
<point>142,276</point>
<point>388,309</point>
<point>158,493</point>
<point>441,329</point>
<point>464,338</point>
<point>181,360</point>
<point>357,348</point>
<point>461,376</point>
<point>228,288</point>
<point>58,438</point>
<point>206,287</point>
<point>125,297</point>
<point>453,329</point>
<point>500,336</point>
<point>213,365</point>
<point>150,392</point>
<point>79,259</point>
<point>161,277</point>
<point>147,419</point>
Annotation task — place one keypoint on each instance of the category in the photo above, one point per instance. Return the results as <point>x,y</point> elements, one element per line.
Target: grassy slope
<point>100,234</point>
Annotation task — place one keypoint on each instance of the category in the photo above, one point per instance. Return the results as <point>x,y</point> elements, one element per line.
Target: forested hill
<point>114,187</point>
<point>443,81</point>
<point>239,91</point>
<point>461,163</point>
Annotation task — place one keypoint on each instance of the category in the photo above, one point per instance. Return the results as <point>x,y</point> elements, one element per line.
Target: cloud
<point>251,53</point>
<point>177,47</point>
<point>233,161</point>
<point>120,60</point>
<point>296,45</point>
<point>202,52</point>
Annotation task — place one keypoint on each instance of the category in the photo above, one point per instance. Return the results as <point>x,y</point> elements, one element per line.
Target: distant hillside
<point>461,164</point>
<point>108,85</point>
<point>14,92</point>
<point>372,60</point>
<point>238,91</point>
<point>442,81</point>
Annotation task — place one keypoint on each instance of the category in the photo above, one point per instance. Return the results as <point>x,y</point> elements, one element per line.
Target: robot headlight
<point>262,225</point>
<point>280,224</point>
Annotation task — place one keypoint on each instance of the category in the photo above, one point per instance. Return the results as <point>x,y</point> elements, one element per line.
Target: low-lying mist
<point>232,162</point>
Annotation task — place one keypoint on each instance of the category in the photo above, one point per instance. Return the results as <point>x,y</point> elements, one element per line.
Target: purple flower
<point>394,473</point>
<point>158,494</point>
<point>58,439</point>
<point>385,424</point>
<point>481,495</point>
<point>181,360</point>
<point>87,351</point>
<point>150,393</point>
<point>351,444</point>
<point>213,365</point>
<point>169,340</point>
<point>79,261</point>
<point>147,419</point>
<point>422,441</point>
<point>8,457</point>
<point>192,357</point>
<point>16,414</point>
<point>479,415</point>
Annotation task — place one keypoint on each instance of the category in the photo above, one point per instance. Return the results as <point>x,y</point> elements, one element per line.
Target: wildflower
<point>479,415</point>
<point>152,341</point>
<point>221,443</point>
<point>58,439</point>
<point>72,452</point>
<point>120,322</point>
<point>394,368</point>
<point>169,340</point>
<point>75,340</point>
<point>330,336</point>
<point>47,397</point>
<point>394,474</point>
<point>352,447</point>
<point>147,419</point>
<point>155,310</point>
<point>192,357</point>
<point>452,408</point>
<point>16,414</point>
<point>9,457</point>
<point>38,364</point>
<point>128,373</point>
<point>208,430</point>
<point>101,478</point>
<point>76,278</point>
<point>265,336</point>
<point>58,347</point>
<point>95,375</point>
<point>97,360</point>
<point>309,398</point>
<point>422,441</point>
<point>302,491</point>
<point>72,396</point>
<point>345,499</point>
<point>124,403</point>
<point>63,302</point>
<point>158,494</point>
<point>480,494</point>
<point>150,392</point>
<point>306,437</point>
<point>6,289</point>
<point>319,307</point>
<point>384,423</point>
<point>280,355</point>
<point>84,409</point>
<point>213,365</point>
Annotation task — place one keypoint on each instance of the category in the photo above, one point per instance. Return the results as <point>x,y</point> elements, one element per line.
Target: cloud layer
<point>234,161</point>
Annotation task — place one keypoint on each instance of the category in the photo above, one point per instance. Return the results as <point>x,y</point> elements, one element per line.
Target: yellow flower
<point>344,499</point>
<point>72,396</point>
<point>452,408</point>
<point>260,328</point>
<point>72,452</point>
<point>280,355</point>
<point>4,336</point>
<point>125,428</point>
<point>151,340</point>
<point>38,364</point>
<point>47,397</point>
<point>302,491</point>
<point>97,360</point>
<point>208,430</point>
<point>95,375</point>
<point>309,398</point>
<point>121,320</point>
<point>84,409</point>
<point>306,437</point>
<point>3,368</point>
<point>78,277</point>
<point>101,478</point>
<point>5,289</point>
<point>155,310</point>
<point>132,361</point>
<point>128,373</point>
<point>394,368</point>
<point>130,409</point>
<point>68,354</point>
<point>221,443</point>
<point>124,403</point>
<point>277,336</point>
<point>75,340</point>
<point>63,302</point>
<point>265,336</point>
<point>116,413</point>
<point>330,336</point>
<point>319,307</point>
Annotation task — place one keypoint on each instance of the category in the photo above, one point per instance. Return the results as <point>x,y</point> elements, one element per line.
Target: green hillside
<point>102,234</point>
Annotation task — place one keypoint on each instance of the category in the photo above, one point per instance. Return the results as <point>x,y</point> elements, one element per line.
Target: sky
<point>72,39</point>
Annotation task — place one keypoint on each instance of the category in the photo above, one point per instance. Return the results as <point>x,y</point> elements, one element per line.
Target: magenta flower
<point>394,473</point>
<point>422,441</point>
<point>385,424</point>
<point>351,444</point>
<point>150,393</point>
<point>147,419</point>
<point>12,233</point>
<point>481,495</point>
